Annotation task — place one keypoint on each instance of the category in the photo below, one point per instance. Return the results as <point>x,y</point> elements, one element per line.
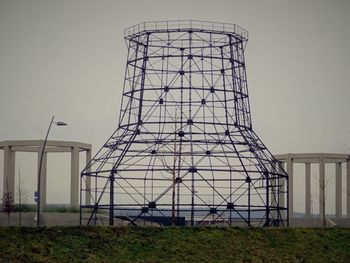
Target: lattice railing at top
<point>173,25</point>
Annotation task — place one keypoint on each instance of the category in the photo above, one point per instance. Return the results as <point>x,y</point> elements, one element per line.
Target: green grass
<point>123,244</point>
<point>48,208</point>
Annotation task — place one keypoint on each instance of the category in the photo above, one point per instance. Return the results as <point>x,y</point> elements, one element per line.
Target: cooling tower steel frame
<point>184,152</point>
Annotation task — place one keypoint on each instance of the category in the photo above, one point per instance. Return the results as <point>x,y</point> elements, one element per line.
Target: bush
<point>24,208</point>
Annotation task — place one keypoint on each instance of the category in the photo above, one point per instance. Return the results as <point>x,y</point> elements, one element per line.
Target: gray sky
<point>68,57</point>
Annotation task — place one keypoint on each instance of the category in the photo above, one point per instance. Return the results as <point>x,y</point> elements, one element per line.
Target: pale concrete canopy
<point>321,159</point>
<point>11,147</point>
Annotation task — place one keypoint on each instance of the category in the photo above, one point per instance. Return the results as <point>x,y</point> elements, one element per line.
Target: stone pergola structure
<point>11,147</point>
<point>321,159</point>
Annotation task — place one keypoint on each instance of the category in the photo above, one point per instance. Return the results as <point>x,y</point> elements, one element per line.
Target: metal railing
<point>173,25</point>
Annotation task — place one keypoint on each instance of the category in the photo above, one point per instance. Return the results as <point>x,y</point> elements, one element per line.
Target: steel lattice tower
<point>184,151</point>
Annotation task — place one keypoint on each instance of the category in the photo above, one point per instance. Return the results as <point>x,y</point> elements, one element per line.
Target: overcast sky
<point>68,58</point>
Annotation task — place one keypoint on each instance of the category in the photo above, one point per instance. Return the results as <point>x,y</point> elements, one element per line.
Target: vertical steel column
<point>190,117</point>
<point>143,76</point>
<point>267,174</point>
<point>111,199</point>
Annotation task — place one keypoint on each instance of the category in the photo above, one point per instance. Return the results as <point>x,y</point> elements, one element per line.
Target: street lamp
<point>37,194</point>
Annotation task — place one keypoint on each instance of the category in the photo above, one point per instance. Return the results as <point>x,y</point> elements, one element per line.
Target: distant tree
<point>7,203</point>
<point>323,186</point>
<point>172,169</point>
<point>22,195</point>
<point>171,166</point>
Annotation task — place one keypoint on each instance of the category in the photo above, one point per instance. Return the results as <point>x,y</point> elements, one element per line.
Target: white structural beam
<point>35,149</point>
<point>312,156</point>
<point>282,187</point>
<point>317,160</point>
<point>273,197</point>
<point>307,190</point>
<point>290,186</point>
<point>338,190</point>
<point>88,179</point>
<point>30,143</point>
<point>273,191</point>
<point>74,183</point>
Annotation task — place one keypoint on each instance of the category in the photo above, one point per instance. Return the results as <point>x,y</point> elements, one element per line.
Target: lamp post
<point>37,194</point>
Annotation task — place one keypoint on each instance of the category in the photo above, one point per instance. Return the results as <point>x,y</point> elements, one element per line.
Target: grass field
<point>122,244</point>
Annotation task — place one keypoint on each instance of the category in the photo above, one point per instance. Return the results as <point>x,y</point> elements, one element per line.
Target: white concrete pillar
<point>290,186</point>
<point>273,185</point>
<point>9,171</point>
<point>307,190</point>
<point>348,188</point>
<point>281,198</point>
<point>322,185</point>
<point>88,179</point>
<point>273,190</point>
<point>338,190</point>
<point>74,178</point>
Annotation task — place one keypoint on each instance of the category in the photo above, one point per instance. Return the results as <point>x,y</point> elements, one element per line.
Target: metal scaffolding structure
<point>184,152</point>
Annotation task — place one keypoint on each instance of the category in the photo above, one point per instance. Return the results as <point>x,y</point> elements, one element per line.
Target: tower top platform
<point>185,26</point>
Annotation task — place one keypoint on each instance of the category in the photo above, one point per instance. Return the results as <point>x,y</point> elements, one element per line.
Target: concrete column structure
<point>290,186</point>
<point>321,159</point>
<point>74,179</point>
<point>273,191</point>
<point>88,180</point>
<point>35,146</point>
<point>9,171</point>
<point>307,190</point>
<point>338,190</point>
<point>281,190</point>
<point>273,196</point>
